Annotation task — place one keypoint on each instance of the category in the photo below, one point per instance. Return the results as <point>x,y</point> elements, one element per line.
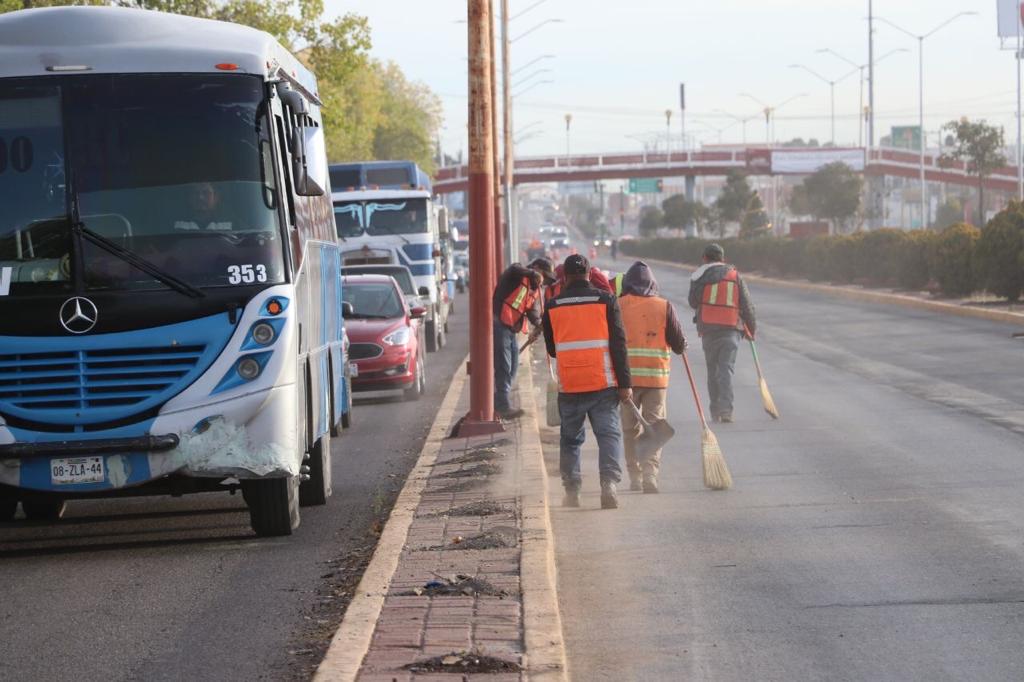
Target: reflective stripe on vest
<point>515,305</point>
<point>579,326</point>
<point>617,283</point>
<point>720,302</point>
<point>645,319</point>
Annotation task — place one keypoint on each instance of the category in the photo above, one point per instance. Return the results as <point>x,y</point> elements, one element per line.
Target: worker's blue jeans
<point>720,346</point>
<point>602,407</point>
<point>506,364</point>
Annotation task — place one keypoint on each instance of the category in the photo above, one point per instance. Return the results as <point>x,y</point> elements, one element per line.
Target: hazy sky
<point>618,65</point>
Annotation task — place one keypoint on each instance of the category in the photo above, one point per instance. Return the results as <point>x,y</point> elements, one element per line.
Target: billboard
<point>807,161</point>
<point>906,137</point>
<point>1008,12</point>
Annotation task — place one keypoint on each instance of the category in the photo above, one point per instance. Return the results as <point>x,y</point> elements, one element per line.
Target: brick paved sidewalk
<point>468,529</point>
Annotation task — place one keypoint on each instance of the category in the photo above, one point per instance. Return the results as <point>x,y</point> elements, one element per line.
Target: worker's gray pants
<point>720,346</point>
<point>651,402</point>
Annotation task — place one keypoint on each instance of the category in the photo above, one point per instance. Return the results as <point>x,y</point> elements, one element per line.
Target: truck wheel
<point>43,509</point>
<point>315,491</point>
<point>273,505</point>
<point>431,334</point>
<point>8,508</point>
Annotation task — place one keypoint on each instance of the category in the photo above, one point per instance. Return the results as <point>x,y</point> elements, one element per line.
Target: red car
<point>385,335</point>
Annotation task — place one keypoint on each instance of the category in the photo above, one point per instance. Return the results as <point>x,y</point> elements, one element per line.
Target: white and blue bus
<point>170,299</point>
<point>385,213</point>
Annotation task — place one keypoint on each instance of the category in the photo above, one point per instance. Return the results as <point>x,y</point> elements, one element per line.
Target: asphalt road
<point>162,588</point>
<point>875,532</point>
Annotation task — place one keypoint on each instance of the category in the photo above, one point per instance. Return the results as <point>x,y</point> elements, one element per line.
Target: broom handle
<point>757,362</point>
<point>696,395</point>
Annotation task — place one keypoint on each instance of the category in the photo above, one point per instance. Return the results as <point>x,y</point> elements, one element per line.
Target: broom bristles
<point>766,399</point>
<point>716,471</point>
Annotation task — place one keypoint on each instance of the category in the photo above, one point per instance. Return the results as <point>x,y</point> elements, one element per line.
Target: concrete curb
<point>873,296</point>
<point>352,640</point>
<point>542,622</point>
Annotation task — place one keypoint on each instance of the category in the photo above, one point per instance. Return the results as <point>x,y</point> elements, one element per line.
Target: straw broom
<point>766,397</point>
<point>716,472</point>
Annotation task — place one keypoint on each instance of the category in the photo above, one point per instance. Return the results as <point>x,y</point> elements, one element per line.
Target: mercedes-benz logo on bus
<point>78,315</point>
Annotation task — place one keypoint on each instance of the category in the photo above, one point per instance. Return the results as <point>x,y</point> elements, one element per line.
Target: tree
<point>714,221</point>
<point>680,212</point>
<point>1000,252</point>
<point>651,218</point>
<point>833,193</point>
<point>734,197</point>
<point>755,222</point>
<point>980,146</point>
<point>949,213</point>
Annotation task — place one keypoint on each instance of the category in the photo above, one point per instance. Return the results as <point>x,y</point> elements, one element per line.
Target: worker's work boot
<point>634,482</point>
<point>572,497</point>
<point>650,484</point>
<point>510,414</point>
<point>609,498</point>
<point>726,418</point>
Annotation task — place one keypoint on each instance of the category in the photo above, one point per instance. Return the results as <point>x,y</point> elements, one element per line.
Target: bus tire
<point>273,505</point>
<point>8,508</point>
<point>431,334</point>
<point>315,491</point>
<point>43,509</point>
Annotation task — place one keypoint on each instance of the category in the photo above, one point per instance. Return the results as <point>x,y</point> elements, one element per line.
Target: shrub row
<point>957,261</point>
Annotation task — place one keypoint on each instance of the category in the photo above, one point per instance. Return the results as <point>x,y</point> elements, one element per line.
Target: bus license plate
<point>76,470</point>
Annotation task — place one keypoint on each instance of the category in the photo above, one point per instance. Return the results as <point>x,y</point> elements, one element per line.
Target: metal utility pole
<point>568,148</point>
<point>1020,149</point>
<point>499,232</point>
<point>480,419</point>
<point>622,210</point>
<point>668,136</point>
<point>871,76</point>
<point>506,96</point>
<point>682,112</point>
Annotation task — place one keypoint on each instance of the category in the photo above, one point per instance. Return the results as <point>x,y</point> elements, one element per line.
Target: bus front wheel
<point>273,505</point>
<point>317,489</point>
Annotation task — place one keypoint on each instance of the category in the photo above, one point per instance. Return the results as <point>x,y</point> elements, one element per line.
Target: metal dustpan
<point>655,435</point>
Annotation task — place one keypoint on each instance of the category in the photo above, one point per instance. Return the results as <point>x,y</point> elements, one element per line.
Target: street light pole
<point>506,119</point>
<point>920,96</point>
<point>668,135</point>
<point>568,149</point>
<point>832,92</point>
<point>480,419</point>
<point>499,232</point>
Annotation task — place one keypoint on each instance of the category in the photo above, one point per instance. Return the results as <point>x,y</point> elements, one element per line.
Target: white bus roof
<point>38,42</point>
<point>371,194</point>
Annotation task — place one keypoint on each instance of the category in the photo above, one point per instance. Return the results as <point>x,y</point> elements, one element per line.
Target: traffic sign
<point>645,185</point>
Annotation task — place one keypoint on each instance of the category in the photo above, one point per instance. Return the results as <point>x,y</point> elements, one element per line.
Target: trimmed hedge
<point>956,261</point>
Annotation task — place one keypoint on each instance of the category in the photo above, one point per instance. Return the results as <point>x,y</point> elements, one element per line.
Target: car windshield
<point>175,169</point>
<point>381,217</point>
<point>401,275</point>
<point>373,300</point>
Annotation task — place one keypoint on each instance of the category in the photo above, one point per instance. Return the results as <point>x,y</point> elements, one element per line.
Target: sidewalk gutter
<point>869,296</point>
<point>352,640</point>
<point>542,623</point>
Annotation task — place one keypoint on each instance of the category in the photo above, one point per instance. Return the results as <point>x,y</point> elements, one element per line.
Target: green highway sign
<point>645,185</point>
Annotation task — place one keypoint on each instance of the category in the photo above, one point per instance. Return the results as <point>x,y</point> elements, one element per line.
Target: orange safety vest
<point>720,302</point>
<point>645,319</point>
<point>580,329</point>
<point>515,305</point>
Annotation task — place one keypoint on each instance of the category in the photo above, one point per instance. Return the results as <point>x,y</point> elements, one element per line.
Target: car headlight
<point>399,337</point>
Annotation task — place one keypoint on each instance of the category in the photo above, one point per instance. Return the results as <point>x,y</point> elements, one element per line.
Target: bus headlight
<point>248,368</point>
<point>263,334</point>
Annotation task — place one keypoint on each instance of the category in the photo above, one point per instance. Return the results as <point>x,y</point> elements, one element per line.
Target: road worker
<point>725,314</point>
<point>652,331</point>
<point>583,332</point>
<point>515,304</point>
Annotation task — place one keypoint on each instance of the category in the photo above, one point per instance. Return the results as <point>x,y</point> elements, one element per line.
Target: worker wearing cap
<point>653,332</point>
<point>725,314</point>
<point>516,304</point>
<point>583,331</point>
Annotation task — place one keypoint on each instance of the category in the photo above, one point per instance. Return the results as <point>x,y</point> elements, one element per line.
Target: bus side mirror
<point>347,310</point>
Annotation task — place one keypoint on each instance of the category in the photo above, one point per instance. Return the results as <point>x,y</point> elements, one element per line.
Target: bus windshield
<point>176,169</point>
<point>381,217</point>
